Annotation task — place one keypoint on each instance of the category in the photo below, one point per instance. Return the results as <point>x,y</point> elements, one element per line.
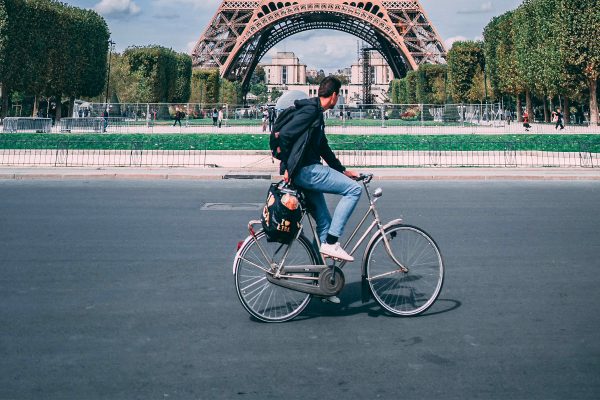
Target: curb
<point>400,174</point>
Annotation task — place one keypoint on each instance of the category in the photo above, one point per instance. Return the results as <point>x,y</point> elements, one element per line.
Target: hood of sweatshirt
<point>312,102</point>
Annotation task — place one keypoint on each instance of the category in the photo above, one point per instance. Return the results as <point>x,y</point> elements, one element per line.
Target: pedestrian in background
<point>559,119</point>
<point>265,119</point>
<point>215,116</point>
<point>177,118</point>
<point>220,116</point>
<point>526,121</point>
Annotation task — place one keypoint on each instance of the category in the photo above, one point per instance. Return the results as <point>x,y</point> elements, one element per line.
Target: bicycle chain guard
<point>331,281</point>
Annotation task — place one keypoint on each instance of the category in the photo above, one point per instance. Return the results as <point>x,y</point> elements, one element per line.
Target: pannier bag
<point>281,214</point>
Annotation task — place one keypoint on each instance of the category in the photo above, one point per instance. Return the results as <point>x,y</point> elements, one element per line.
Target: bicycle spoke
<point>260,297</point>
<point>408,293</point>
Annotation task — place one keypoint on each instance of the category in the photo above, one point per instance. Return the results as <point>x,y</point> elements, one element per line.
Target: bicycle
<point>402,268</point>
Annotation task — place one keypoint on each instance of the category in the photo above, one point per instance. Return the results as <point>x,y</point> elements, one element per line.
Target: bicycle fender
<point>372,240</point>
<point>237,254</point>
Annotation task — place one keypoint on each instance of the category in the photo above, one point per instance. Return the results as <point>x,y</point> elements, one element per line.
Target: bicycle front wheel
<point>262,299</point>
<point>405,293</point>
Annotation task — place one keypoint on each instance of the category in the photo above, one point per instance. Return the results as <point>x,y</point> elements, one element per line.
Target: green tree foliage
<point>411,88</point>
<point>230,92</point>
<point>156,68</point>
<point>205,86</point>
<point>431,84</point>
<point>258,76</point>
<point>581,44</point>
<point>183,78</point>
<point>3,35</point>
<point>123,83</point>
<point>394,91</point>
<point>63,47</point>
<point>466,63</point>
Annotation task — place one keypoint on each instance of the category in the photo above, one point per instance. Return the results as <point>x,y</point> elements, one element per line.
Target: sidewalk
<point>198,173</point>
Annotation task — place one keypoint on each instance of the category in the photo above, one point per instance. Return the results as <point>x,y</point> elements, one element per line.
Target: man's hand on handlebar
<point>286,177</point>
<point>351,174</point>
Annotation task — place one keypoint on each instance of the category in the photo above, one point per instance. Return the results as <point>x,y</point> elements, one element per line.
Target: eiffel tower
<point>243,31</point>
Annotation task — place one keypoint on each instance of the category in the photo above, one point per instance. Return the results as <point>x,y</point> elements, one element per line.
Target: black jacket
<point>296,134</point>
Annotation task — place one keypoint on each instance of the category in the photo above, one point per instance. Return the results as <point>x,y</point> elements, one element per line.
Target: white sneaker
<point>335,251</point>
<point>331,299</point>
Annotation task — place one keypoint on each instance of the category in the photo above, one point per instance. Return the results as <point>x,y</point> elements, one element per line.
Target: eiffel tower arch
<point>243,31</point>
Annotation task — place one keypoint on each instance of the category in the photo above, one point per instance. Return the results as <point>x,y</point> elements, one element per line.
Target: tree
<point>182,84</point>
<point>73,63</point>
<point>157,70</point>
<point>431,84</point>
<point>205,86</point>
<point>258,76</point>
<point>411,88</point>
<point>581,44</point>
<point>465,65</point>
<point>3,52</point>
<point>394,91</point>
<point>230,92</point>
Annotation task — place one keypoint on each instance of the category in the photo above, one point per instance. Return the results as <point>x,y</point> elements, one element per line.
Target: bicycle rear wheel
<point>262,299</point>
<point>401,293</point>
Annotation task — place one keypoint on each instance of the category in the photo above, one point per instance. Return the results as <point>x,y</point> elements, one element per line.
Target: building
<point>381,73</point>
<point>285,69</point>
<point>285,72</point>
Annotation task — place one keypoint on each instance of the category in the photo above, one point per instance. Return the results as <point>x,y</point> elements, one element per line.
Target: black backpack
<point>283,118</point>
<point>282,214</point>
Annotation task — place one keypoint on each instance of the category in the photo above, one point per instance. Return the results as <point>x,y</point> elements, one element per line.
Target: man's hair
<point>329,86</point>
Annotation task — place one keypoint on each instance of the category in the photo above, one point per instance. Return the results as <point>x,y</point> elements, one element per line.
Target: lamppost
<point>111,46</point>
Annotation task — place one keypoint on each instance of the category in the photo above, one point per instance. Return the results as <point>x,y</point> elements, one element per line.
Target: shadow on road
<point>352,305</point>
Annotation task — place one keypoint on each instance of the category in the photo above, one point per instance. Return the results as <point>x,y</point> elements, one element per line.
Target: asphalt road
<point>124,290</point>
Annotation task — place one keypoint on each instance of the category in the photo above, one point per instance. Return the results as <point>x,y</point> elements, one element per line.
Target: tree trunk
<point>519,109</point>
<point>4,106</point>
<point>529,106</point>
<point>545,103</point>
<point>593,102</point>
<point>58,109</point>
<point>71,106</point>
<point>35,107</point>
<point>567,113</point>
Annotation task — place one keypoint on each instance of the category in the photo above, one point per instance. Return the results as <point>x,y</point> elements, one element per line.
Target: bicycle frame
<point>279,267</point>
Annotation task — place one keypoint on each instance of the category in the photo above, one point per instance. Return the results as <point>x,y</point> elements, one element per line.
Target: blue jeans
<point>317,179</point>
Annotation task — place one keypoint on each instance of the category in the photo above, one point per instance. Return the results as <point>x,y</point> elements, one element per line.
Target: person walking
<point>265,119</point>
<point>526,121</point>
<point>559,119</point>
<point>272,118</point>
<point>303,144</point>
<point>215,116</point>
<point>105,120</point>
<point>220,117</point>
<point>177,118</point>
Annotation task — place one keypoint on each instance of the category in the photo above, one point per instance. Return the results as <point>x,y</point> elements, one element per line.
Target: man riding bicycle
<point>303,144</point>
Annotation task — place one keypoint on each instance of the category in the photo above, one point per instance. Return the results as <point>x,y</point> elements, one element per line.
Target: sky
<point>178,24</point>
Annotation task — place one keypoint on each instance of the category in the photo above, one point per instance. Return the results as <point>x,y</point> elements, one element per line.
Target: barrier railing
<point>66,153</point>
<point>19,125</point>
<point>426,153</point>
<point>471,154</point>
<point>92,124</point>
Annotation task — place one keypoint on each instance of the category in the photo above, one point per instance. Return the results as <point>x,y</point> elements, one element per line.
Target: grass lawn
<point>569,143</point>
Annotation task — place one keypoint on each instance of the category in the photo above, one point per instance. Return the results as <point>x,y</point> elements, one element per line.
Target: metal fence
<point>90,153</point>
<point>451,153</point>
<point>460,154</point>
<point>20,125</point>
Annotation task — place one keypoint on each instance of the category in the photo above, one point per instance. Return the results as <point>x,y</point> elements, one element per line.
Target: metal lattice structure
<point>242,32</point>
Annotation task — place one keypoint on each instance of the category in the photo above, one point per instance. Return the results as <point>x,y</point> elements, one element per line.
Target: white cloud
<point>321,49</point>
<point>483,8</point>
<point>450,41</point>
<point>117,8</point>
<point>184,4</point>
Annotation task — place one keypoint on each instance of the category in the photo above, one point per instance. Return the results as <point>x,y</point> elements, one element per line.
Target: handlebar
<point>365,177</point>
